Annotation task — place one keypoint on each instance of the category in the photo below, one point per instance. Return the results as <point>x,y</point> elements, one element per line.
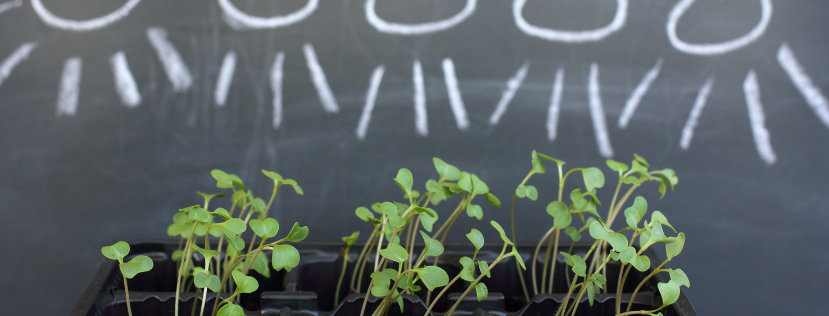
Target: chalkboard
<point>112,114</point>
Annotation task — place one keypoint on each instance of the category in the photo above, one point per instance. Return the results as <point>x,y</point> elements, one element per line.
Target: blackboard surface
<point>731,94</point>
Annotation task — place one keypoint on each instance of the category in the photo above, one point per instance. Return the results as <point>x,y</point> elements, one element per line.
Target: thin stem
<point>478,279</point>
<point>127,293</point>
<point>535,259</point>
<point>577,302</point>
<point>360,258</point>
<point>546,262</point>
<point>233,263</point>
<point>365,301</point>
<point>185,260</point>
<point>553,265</point>
<point>654,272</point>
<point>365,260</point>
<point>445,288</point>
<point>514,240</point>
<point>342,275</point>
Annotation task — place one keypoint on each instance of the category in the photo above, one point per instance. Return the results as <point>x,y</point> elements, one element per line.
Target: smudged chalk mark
<point>124,81</point>
<point>811,92</point>
<point>70,85</point>
<point>638,93</point>
<point>276,87</point>
<point>421,119</point>
<point>555,105</point>
<point>455,100</point>
<point>19,55</point>
<point>170,58</point>
<point>512,86</point>
<point>416,29</point>
<point>718,48</point>
<point>758,119</point>
<point>597,113</point>
<point>320,82</point>
<point>371,96</point>
<point>696,111</point>
<point>570,36</point>
<point>87,25</point>
<point>225,78</point>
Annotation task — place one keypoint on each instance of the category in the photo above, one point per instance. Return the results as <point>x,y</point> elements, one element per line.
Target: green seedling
<point>349,241</point>
<point>128,269</point>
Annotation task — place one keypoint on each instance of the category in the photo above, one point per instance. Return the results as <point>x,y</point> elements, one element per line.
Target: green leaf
<point>259,205</point>
<point>236,181</point>
<point>632,179</point>
<point>428,221</point>
<point>222,213</point>
<point>538,165</point>
<point>673,249</point>
<point>658,217</point>
<point>483,266</point>
<point>388,208</point>
<point>628,255</point>
<point>475,211</point>
<point>244,283</point>
<point>222,180</point>
<point>273,175</point>
<point>598,231</point>
<point>614,255</point>
<point>117,251</point>
<point>514,253</point>
<point>297,233</point>
<point>233,226</point>
<point>294,185</point>
<point>399,300</point>
<point>617,166</point>
<point>579,202</point>
<point>284,257</point>
<point>230,310</point>
<point>573,233</point>
<point>264,229</point>
<point>135,266</point>
<point>468,271</point>
<point>481,291</point>
<point>204,252</point>
<point>558,210</point>
<point>618,241</point>
<point>671,176</point>
<point>433,277</point>
<point>446,171</point>
<point>479,186</point>
<point>365,215</point>
<point>635,213</point>
<point>395,252</point>
<point>591,293</point>
<point>476,238</point>
<point>641,263</point>
<point>208,197</point>
<point>404,180</point>
<point>201,215</point>
<point>641,160</point>
<point>181,225</point>
<point>532,193</point>
<point>501,231</point>
<point>350,240</point>
<point>381,284</point>
<point>493,200</point>
<point>432,248</point>
<point>396,221</point>
<point>593,178</point>
<point>236,243</point>
<point>465,182</point>
<point>669,292</point>
<point>678,276</point>
<point>657,235</point>
<point>521,191</point>
<point>644,237</point>
<point>260,264</point>
<point>203,279</point>
<point>421,210</point>
<point>578,265</point>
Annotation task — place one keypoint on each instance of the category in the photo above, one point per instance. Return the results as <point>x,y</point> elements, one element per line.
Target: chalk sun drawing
<point>416,28</point>
<point>241,20</point>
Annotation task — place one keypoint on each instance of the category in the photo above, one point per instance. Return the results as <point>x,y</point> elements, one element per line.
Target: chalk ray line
<point>371,97</point>
<point>86,25</point>
<point>70,83</point>
<point>640,91</point>
<point>419,28</point>
<point>125,84</point>
<point>811,92</point>
<point>555,105</point>
<point>455,100</point>
<point>421,118</point>
<point>10,5</point>
<point>717,48</point>
<point>238,19</point>
<point>696,111</point>
<point>597,113</point>
<point>276,87</point>
<point>19,55</point>
<point>170,58</point>
<point>758,119</point>
<point>618,22</point>
<point>225,78</point>
<point>329,103</point>
<point>506,97</point>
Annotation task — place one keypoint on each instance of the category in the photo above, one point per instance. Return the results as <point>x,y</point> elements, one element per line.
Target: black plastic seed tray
<point>309,288</point>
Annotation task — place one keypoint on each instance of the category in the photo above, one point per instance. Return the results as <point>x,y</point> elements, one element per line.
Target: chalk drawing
<point>421,121</point>
<point>420,28</point>
<point>70,85</point>
<point>10,5</point>
<point>225,78</point>
<point>19,55</point>
<point>124,81</point>
<point>570,36</point>
<point>811,92</point>
<point>320,82</point>
<point>638,93</point>
<point>170,58</point>
<point>238,19</point>
<point>696,111</point>
<point>597,113</point>
<point>717,48</point>
<point>555,105</point>
<point>455,100</point>
<point>758,119</point>
<point>87,25</point>
<point>512,86</point>
<point>371,96</point>
<point>276,87</point>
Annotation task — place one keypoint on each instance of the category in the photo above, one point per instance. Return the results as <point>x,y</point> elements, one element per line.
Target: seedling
<point>128,269</point>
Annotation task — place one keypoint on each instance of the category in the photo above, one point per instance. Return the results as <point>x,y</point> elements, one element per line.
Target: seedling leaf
<point>297,233</point>
<point>428,221</point>
<point>483,266</point>
<point>381,284</point>
<point>479,186</point>
<point>433,248</point>
<point>244,283</point>
<point>641,263</point>
<point>593,178</point>
<point>678,276</point>
<point>231,310</point>
<point>395,252</point>
<point>117,251</point>
<point>493,200</point>
<point>446,171</point>
<point>521,191</point>
<point>598,231</point>
<point>266,228</point>
<point>617,166</point>
<point>476,238</point>
<point>465,183</point>
<point>573,233</point>
<point>658,217</point>
<point>273,175</point>
<point>404,180</point>
<point>201,215</point>
<point>674,248</point>
<point>561,215</point>
<point>532,193</point>
<point>433,277</point>
<point>284,257</point>
<point>474,210</point>
<point>204,252</point>
<point>669,292</point>
<point>468,270</point>
<point>222,180</point>
<point>579,202</point>
<point>135,266</point>
<point>350,240</point>
<point>538,165</point>
<point>481,291</point>
<point>514,253</point>
<point>233,226</point>
<point>501,231</point>
<point>388,208</point>
<point>627,255</point>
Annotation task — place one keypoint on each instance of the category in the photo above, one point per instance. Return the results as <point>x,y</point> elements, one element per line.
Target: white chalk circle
<point>420,28</point>
<point>238,18</point>
<point>86,25</point>
<point>717,48</point>
<point>570,36</point>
